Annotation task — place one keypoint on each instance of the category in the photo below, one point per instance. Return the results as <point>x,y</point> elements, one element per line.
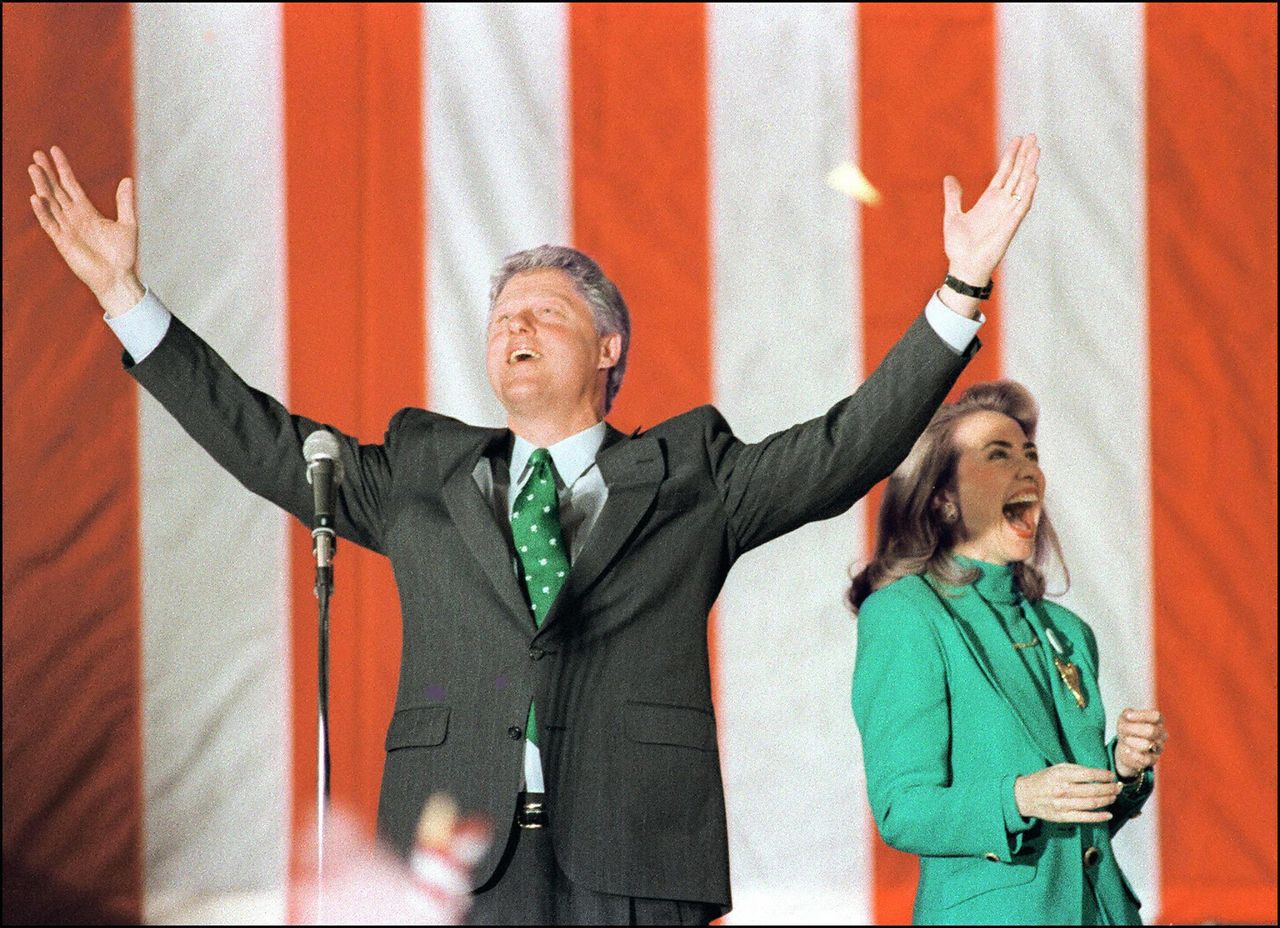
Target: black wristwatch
<point>959,286</point>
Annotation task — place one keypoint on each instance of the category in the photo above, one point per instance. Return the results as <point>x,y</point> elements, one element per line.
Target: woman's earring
<point>950,514</point>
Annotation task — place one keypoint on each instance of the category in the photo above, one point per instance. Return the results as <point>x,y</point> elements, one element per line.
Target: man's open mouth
<point>523,354</point>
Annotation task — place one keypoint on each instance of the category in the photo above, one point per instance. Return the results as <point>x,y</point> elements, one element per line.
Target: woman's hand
<point>102,253</point>
<point>976,241</point>
<point>1066,793</point>
<point>1140,737</point>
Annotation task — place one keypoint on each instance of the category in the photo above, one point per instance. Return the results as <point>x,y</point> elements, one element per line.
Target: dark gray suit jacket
<point>619,668</point>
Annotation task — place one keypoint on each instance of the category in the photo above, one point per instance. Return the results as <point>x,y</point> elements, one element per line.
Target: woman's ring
<point>1017,196</point>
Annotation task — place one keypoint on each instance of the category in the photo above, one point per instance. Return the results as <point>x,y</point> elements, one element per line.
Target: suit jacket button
<point>1091,856</point>
<point>514,733</point>
<point>535,654</point>
<point>991,857</point>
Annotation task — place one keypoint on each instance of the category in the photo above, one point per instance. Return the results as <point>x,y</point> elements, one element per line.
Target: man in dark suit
<point>555,576</point>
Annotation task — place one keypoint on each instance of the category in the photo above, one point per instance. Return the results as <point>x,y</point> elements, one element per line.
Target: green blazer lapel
<point>459,454</point>
<point>1079,726</point>
<point>632,469</point>
<point>1002,666</point>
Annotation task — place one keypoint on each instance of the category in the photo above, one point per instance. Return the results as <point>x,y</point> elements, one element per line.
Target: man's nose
<point>520,322</point>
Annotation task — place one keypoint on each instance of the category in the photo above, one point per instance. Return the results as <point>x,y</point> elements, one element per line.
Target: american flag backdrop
<point>323,191</point>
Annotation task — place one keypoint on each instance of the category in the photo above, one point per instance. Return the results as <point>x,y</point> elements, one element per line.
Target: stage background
<point>323,192</point>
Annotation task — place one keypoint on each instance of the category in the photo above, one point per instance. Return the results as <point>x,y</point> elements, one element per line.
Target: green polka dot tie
<point>535,529</point>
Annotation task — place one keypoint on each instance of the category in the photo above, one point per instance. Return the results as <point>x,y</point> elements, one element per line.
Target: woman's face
<point>999,489</point>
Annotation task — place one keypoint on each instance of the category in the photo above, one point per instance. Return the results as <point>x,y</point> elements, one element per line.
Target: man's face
<point>544,356</point>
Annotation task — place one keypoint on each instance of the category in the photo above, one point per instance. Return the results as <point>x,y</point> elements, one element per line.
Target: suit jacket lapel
<point>632,470</point>
<point>460,454</point>
<point>1001,665</point>
<point>1078,725</point>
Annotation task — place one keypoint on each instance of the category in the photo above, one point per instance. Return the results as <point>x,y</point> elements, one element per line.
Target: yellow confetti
<point>847,179</point>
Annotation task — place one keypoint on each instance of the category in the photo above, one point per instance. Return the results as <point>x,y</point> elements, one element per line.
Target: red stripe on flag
<point>1211,151</point>
<point>639,89</point>
<point>355,207</point>
<point>638,83</point>
<point>72,603</point>
<point>924,112</point>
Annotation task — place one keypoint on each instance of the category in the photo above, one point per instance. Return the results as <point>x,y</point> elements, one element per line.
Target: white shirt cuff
<point>954,329</point>
<point>142,327</point>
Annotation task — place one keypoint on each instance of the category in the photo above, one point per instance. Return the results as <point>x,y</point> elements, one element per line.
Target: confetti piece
<point>847,179</point>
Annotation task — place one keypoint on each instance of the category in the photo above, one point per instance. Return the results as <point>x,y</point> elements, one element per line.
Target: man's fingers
<point>1028,177</point>
<point>66,175</point>
<point>40,207</point>
<point>1143,715</point>
<point>40,180</point>
<point>51,180</point>
<point>125,212</point>
<point>1018,162</point>
<point>49,206</point>
<point>950,196</point>
<point>1006,162</point>
<point>1026,196</point>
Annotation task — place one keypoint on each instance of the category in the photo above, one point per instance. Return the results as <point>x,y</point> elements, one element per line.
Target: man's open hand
<point>976,241</point>
<point>102,253</point>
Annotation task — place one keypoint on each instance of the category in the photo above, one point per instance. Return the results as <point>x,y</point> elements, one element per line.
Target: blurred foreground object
<point>446,850</point>
<point>364,883</point>
<point>850,181</point>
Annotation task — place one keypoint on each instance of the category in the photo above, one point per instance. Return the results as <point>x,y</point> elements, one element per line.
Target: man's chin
<point>526,397</point>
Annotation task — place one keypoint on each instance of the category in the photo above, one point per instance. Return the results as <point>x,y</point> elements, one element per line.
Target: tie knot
<point>540,464</point>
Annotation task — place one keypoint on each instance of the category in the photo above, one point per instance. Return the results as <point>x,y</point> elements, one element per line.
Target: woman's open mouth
<point>1022,513</point>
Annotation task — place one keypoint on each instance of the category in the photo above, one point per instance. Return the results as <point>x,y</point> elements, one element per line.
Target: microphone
<point>324,473</point>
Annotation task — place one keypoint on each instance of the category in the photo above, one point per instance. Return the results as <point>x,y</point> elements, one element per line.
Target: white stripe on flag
<point>785,348</point>
<point>1075,330</point>
<point>215,601</point>
<point>497,163</point>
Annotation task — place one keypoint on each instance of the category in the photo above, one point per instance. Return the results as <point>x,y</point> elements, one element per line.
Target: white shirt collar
<point>572,456</point>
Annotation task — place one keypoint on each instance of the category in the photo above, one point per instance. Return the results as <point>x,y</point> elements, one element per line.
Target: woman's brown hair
<point>911,535</point>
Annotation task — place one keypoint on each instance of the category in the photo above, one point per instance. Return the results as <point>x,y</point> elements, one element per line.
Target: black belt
<point>531,810</point>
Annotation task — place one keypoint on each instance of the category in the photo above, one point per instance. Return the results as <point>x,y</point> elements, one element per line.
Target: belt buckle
<point>531,811</point>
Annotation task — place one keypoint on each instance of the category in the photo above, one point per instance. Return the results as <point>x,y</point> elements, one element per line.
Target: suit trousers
<point>529,888</point>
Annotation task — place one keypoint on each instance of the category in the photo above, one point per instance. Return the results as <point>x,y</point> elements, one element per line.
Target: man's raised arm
<point>820,468</point>
<point>249,433</point>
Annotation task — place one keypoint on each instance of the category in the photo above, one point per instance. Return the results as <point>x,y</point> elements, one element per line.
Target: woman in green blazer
<point>982,727</point>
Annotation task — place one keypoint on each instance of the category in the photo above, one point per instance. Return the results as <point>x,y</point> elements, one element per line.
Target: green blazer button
<point>1091,856</point>
<point>991,857</point>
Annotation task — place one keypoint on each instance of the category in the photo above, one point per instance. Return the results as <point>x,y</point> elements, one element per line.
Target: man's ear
<point>610,350</point>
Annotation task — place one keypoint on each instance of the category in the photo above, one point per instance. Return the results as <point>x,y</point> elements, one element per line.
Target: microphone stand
<point>325,545</point>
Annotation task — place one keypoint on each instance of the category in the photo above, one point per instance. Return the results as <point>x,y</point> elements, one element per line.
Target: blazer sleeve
<point>902,707</point>
<point>820,468</point>
<point>1129,803</point>
<point>258,441</point>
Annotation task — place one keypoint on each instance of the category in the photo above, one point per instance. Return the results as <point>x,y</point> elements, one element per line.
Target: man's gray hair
<point>607,306</point>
